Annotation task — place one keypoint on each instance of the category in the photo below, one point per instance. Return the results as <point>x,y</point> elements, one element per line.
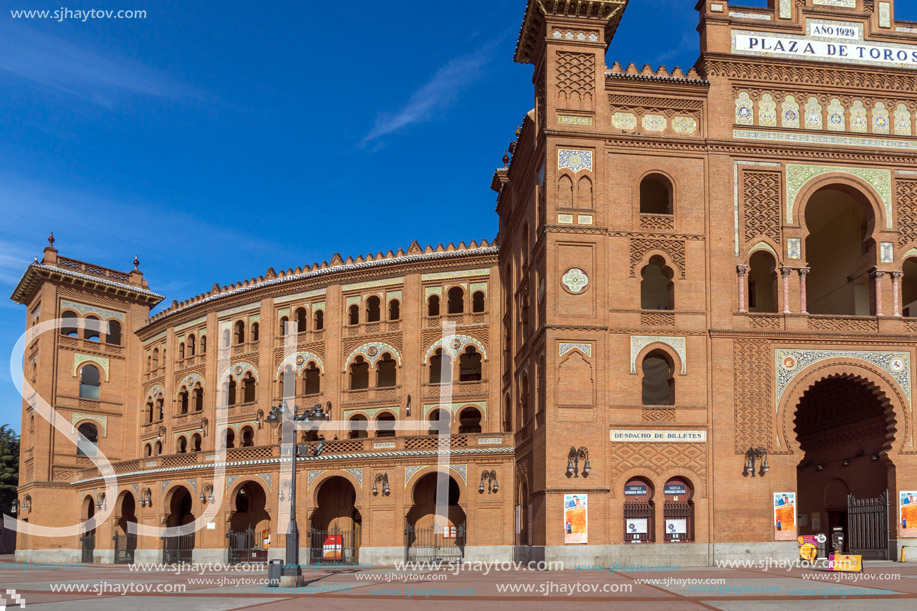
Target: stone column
<point>785,274</point>
<point>803,272</point>
<point>877,278</point>
<point>896,292</point>
<point>742,271</point>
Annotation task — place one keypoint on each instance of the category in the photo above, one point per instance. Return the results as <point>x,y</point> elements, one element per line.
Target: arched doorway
<point>336,523</point>
<point>178,548</point>
<point>432,537</point>
<point>844,425</point>
<point>249,525</point>
<point>88,538</point>
<point>125,540</point>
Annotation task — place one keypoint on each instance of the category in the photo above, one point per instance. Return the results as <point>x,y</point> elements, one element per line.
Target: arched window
<point>354,315</point>
<point>312,379</point>
<point>840,252</point>
<point>248,388</point>
<point>196,442</point>
<point>239,334</point>
<point>477,302</point>
<point>385,425</point>
<point>148,412</point>
<point>183,400</point>
<point>762,282</point>
<point>319,320</point>
<point>226,338</point>
<point>440,367</point>
<point>359,374</point>
<point>190,345</point>
<point>90,382</point>
<point>149,362</point>
<point>256,331</point>
<point>456,300</point>
<point>248,437</point>
<point>158,448</point>
<point>70,326</point>
<point>286,384</point>
<point>113,337</point>
<point>373,309</point>
<point>91,330</point>
<point>229,438</point>
<point>470,365</point>
<point>658,380</point>
<point>909,288</point>
<point>182,445</point>
<point>88,432</point>
<point>470,420</point>
<point>522,414</point>
<point>302,320</point>
<point>197,398</point>
<point>160,408</point>
<point>284,321</point>
<point>32,423</point>
<point>657,290</point>
<point>181,352</point>
<point>655,195</point>
<point>231,394</point>
<point>203,344</point>
<point>147,450</point>
<point>357,427</point>
<point>394,309</point>
<point>440,422</point>
<point>155,359</point>
<point>386,372</point>
<point>433,305</point>
<point>507,414</point>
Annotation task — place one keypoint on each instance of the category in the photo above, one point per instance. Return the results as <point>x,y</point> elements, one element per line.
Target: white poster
<point>637,526</point>
<point>676,527</point>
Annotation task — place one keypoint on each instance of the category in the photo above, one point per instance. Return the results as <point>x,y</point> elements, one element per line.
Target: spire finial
<point>51,239</point>
<point>505,159</point>
<point>136,263</point>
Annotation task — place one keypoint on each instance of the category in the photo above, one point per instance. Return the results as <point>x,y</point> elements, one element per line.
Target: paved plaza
<point>882,585</point>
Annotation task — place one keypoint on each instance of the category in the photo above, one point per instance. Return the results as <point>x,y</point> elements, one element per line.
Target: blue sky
<point>216,139</point>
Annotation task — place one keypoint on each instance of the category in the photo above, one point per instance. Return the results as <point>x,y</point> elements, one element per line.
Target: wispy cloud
<point>79,70</point>
<point>436,94</point>
<point>687,44</point>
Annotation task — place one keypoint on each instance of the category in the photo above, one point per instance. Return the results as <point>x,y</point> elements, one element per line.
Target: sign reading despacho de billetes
<point>838,49</point>
<point>658,436</point>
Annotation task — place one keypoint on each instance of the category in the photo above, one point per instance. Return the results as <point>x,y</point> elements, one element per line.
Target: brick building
<point>692,340</point>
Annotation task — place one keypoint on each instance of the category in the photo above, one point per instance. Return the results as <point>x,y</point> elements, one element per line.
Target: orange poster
<point>907,504</point>
<point>576,519</point>
<point>784,516</point>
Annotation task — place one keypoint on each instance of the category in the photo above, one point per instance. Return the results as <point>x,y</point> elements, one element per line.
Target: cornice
<point>814,336</point>
<point>36,272</point>
<point>609,11</point>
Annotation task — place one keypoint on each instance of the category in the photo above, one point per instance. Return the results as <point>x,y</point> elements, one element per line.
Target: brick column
<point>803,272</point>
<point>896,292</point>
<point>877,278</point>
<point>742,271</point>
<point>785,274</point>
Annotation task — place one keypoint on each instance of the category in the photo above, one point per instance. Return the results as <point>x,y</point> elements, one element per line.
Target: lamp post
<point>754,455</point>
<point>278,415</point>
<point>573,457</point>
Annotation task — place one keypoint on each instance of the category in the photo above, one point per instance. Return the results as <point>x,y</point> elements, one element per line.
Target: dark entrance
<point>125,545</point>
<point>428,537</point>
<point>250,527</point>
<point>336,524</point>
<point>88,538</point>
<point>179,548</point>
<point>125,541</point>
<point>845,426</point>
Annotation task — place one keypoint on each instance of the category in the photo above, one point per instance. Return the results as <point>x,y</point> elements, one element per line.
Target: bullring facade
<point>692,339</point>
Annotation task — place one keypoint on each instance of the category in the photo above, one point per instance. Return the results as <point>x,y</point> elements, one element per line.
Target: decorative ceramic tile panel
<point>837,121</point>
<point>575,279</point>
<point>462,470</point>
<point>767,111</point>
<point>684,125</point>
<point>839,3</point>
<point>190,380</point>
<point>565,219</point>
<point>624,120</point>
<point>574,120</point>
<point>813,114</point>
<point>574,160</point>
<point>786,9</point>
<point>798,175</point>
<point>789,112</point>
<point>639,342</point>
<point>465,273</point>
<point>885,14</point>
<point>886,252</point>
<point>313,475</point>
<point>299,360</point>
<point>240,369</point>
<point>858,119</point>
<point>745,114</point>
<point>409,472</point>
<point>584,348</point>
<point>373,351</point>
<point>834,140</point>
<point>82,309</point>
<point>584,219</point>
<point>880,121</point>
<point>156,390</point>
<point>357,473</point>
<point>791,362</point>
<point>793,248</point>
<point>79,359</point>
<point>455,346</point>
<point>99,419</point>
<point>902,120</point>
<point>654,123</point>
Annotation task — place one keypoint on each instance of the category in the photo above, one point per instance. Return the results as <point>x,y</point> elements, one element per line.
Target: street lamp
<point>278,414</point>
<point>573,458</point>
<point>383,479</point>
<point>491,478</point>
<point>754,455</point>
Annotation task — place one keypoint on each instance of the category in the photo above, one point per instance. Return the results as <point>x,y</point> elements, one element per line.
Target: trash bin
<point>274,569</point>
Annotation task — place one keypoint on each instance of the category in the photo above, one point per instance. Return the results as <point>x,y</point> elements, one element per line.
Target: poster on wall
<point>576,526</point>
<point>676,527</point>
<point>638,526</point>
<point>907,513</point>
<point>784,516</point>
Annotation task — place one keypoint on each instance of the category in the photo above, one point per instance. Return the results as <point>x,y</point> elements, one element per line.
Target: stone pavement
<point>885,585</point>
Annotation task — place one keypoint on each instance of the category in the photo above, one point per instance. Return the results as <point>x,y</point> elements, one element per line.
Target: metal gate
<point>433,544</point>
<point>639,522</point>
<point>245,547</point>
<point>125,545</point>
<point>867,526</point>
<point>334,546</point>
<point>88,543</point>
<point>679,521</point>
<point>177,549</point>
